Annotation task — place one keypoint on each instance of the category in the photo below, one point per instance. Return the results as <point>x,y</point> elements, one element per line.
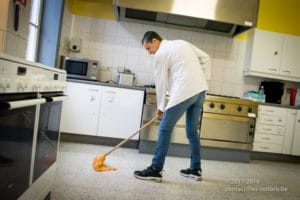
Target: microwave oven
<point>80,68</point>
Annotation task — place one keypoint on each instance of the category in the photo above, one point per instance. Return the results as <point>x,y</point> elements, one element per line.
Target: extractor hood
<point>225,17</point>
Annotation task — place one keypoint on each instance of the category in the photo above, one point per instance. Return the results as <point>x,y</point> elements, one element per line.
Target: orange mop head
<point>99,165</point>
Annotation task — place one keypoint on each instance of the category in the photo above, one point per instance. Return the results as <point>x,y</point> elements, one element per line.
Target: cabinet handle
<point>268,120</point>
<point>110,92</point>
<point>286,71</point>
<point>275,53</point>
<point>264,147</point>
<point>272,69</point>
<point>265,138</point>
<point>94,90</point>
<point>298,120</point>
<point>267,129</point>
<point>271,111</point>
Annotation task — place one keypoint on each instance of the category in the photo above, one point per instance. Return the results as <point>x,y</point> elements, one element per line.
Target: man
<point>179,74</point>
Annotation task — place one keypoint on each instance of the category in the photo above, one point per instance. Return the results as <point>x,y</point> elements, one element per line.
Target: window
<point>34,30</point>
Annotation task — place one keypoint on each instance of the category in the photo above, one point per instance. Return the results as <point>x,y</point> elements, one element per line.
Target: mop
<point>98,163</point>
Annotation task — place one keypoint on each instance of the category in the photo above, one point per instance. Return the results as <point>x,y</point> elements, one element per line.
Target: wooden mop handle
<point>131,136</point>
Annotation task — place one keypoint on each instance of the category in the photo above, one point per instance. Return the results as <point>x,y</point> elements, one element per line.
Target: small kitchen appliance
<point>273,91</point>
<point>126,78</point>
<point>79,68</point>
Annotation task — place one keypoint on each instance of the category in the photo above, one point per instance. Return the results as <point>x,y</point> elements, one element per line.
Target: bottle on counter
<point>261,94</point>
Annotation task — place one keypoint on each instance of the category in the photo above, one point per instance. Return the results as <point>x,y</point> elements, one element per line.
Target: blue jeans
<point>193,109</point>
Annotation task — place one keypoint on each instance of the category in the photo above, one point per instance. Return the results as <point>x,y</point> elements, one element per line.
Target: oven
<point>31,96</point>
<point>228,122</point>
<point>47,133</point>
<point>18,114</point>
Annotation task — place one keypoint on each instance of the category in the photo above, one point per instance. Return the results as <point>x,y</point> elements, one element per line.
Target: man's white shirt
<point>179,72</point>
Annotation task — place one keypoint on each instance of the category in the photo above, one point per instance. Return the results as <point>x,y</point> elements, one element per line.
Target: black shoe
<point>192,173</point>
<point>149,174</point>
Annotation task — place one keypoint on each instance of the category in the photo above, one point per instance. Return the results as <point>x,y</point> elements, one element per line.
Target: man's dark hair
<point>150,35</point>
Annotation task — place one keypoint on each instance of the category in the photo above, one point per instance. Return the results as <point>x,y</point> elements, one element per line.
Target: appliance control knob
<point>239,108</point>
<point>211,105</point>
<point>249,109</point>
<point>222,106</point>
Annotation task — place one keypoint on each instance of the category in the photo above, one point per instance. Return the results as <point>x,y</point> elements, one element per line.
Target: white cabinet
<point>120,112</point>
<point>264,51</point>
<point>290,64</point>
<point>80,112</point>
<point>296,139</point>
<point>289,131</point>
<point>102,110</point>
<point>272,55</point>
<point>274,129</point>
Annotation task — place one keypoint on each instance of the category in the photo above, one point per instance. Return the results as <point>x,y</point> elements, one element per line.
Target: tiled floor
<point>76,178</point>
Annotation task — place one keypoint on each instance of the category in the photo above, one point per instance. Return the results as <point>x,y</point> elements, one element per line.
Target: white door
<point>80,111</point>
<point>266,52</point>
<point>290,64</point>
<point>120,112</point>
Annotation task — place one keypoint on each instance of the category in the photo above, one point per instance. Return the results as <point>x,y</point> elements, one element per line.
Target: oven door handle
<point>56,98</point>
<point>9,105</point>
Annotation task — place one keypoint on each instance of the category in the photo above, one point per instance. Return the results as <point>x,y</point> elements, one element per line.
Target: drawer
<point>269,129</point>
<point>267,138</point>
<point>264,147</point>
<point>270,110</point>
<point>272,120</point>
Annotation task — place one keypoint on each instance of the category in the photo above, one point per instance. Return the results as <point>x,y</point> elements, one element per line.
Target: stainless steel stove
<point>228,122</point>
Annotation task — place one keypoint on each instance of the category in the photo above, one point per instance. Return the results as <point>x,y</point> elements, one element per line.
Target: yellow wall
<point>279,16</point>
<point>92,8</point>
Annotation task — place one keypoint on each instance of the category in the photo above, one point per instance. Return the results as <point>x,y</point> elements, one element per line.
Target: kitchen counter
<point>105,84</point>
<point>280,105</point>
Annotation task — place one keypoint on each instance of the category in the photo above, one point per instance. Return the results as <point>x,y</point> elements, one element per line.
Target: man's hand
<point>159,114</point>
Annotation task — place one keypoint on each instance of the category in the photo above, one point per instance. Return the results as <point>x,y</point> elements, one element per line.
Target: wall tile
<point>98,26</point>
<point>118,44</point>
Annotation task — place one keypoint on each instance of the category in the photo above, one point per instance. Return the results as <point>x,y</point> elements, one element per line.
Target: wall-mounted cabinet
<point>272,55</point>
<point>290,63</point>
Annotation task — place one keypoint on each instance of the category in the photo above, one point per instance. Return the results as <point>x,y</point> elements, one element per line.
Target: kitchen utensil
<point>98,163</point>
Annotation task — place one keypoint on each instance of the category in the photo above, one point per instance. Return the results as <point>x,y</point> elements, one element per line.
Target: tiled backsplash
<point>16,41</point>
<point>118,44</point>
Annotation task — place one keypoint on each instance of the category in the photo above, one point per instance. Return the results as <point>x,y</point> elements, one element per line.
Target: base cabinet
<point>296,139</point>
<point>120,112</point>
<point>275,130</point>
<point>80,112</point>
<point>99,110</point>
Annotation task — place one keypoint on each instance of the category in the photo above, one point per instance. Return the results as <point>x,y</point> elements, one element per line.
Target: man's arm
<point>204,60</point>
<point>161,83</point>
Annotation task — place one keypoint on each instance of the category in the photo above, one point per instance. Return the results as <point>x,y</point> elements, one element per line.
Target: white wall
<point>118,44</point>
<point>16,41</point>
